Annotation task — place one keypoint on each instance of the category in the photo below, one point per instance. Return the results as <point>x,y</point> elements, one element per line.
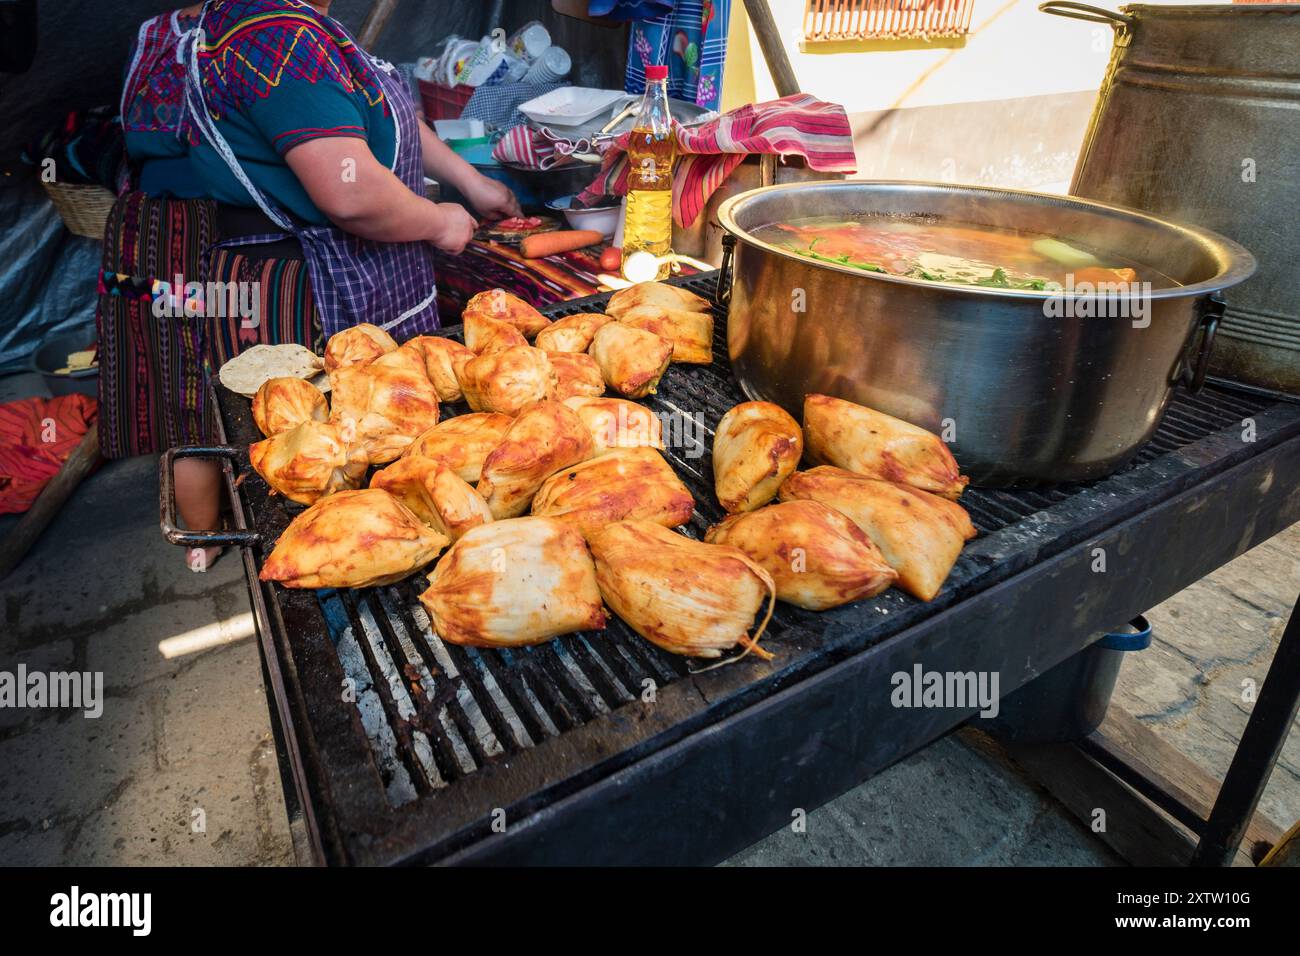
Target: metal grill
<point>448,733</point>
<point>436,712</point>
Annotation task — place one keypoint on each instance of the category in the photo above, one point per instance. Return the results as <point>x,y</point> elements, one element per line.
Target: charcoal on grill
<point>919,534</point>
<point>818,558</point>
<point>514,582</point>
<point>871,443</point>
<point>756,447</point>
<point>686,596</point>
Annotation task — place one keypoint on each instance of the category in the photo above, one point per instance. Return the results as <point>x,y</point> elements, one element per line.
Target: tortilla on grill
<point>246,372</point>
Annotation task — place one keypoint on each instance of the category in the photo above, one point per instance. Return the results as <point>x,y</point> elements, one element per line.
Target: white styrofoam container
<point>570,105</point>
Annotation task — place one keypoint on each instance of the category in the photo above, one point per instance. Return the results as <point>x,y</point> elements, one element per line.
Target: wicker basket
<point>84,208</point>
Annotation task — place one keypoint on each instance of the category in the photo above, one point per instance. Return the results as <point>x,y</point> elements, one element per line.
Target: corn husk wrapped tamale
<point>546,437</point>
<point>514,582</point>
<point>631,360</point>
<point>685,596</point>
<point>434,493</point>
<point>484,334</point>
<point>867,442</point>
<point>655,293</point>
<point>508,380</point>
<point>618,423</point>
<point>572,333</point>
<point>505,307</point>
<point>757,445</point>
<point>441,356</point>
<point>309,461</point>
<point>626,484</point>
<point>461,443</point>
<point>691,333</point>
<point>919,534</point>
<point>576,375</point>
<point>387,403</point>
<point>286,402</point>
<point>352,539</point>
<point>818,558</point>
<point>357,345</point>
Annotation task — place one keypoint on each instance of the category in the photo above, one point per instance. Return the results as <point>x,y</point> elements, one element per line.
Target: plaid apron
<point>353,280</point>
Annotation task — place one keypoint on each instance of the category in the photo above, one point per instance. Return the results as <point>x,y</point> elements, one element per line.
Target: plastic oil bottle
<point>648,226</point>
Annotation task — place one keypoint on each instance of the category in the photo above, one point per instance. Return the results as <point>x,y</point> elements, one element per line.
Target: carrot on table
<point>550,243</point>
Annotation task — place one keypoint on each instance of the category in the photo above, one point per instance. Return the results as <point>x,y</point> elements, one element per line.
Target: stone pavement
<point>177,737</point>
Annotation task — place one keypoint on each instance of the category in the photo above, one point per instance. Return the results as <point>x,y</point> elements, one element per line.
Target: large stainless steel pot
<point>1197,120</point>
<point>1024,398</point>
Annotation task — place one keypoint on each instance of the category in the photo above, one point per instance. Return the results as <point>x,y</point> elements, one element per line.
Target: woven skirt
<point>285,310</point>
<point>151,370</point>
<point>155,364</point>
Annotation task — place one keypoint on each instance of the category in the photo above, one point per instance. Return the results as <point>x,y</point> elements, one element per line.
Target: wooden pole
<point>769,40</point>
<point>376,20</point>
<point>50,501</point>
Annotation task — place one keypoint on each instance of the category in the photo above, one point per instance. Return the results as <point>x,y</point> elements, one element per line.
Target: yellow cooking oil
<point>651,149</point>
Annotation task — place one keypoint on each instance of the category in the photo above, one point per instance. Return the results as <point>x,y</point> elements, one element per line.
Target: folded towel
<point>538,148</point>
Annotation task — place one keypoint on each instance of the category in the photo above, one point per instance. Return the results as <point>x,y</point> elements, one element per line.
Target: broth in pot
<point>956,253</point>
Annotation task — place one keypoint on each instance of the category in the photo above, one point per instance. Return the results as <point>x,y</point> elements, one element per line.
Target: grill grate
<point>435,713</point>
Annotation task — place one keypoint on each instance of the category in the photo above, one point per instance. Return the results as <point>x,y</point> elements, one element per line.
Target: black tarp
<point>82,47</point>
<point>47,275</point>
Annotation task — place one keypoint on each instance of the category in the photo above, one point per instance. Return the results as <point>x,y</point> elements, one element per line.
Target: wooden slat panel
<point>885,19</point>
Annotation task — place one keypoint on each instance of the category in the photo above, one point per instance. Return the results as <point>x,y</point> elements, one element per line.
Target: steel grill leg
<point>1266,731</point>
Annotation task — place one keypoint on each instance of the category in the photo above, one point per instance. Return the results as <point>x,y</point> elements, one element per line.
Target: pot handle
<point>242,538</point>
<point>1084,11</point>
<point>722,294</point>
<point>1192,375</point>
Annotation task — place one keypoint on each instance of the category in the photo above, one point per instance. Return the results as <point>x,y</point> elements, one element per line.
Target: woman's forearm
<point>442,163</point>
<point>390,215</point>
<point>359,194</point>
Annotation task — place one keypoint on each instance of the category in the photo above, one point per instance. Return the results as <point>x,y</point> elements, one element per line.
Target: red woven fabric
<point>36,437</point>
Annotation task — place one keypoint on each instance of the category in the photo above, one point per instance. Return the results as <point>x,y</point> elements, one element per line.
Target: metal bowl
<point>1025,388</point>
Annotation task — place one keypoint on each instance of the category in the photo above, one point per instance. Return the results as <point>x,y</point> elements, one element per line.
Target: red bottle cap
<point>653,73</point>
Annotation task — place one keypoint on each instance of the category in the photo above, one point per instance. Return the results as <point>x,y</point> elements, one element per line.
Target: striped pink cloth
<point>800,124</point>
<point>537,148</point>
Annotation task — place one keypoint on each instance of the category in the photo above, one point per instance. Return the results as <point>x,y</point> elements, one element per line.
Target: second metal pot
<point>1023,397</point>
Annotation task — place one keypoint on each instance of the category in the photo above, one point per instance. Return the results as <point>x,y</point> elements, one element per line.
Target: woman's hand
<point>455,228</point>
<point>492,199</point>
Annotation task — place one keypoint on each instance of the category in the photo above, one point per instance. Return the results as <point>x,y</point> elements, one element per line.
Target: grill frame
<point>640,761</point>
